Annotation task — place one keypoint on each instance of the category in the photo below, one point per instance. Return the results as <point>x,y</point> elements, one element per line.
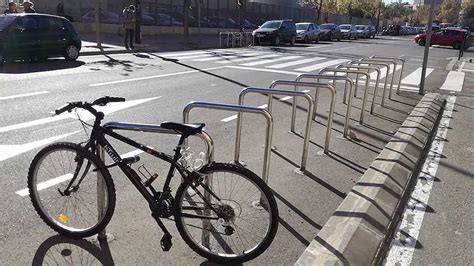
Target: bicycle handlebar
<point>88,106</point>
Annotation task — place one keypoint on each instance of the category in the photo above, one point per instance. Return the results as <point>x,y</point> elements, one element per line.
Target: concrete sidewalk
<point>113,44</point>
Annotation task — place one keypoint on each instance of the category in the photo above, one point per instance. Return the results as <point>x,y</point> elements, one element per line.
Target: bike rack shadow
<point>60,250</point>
<point>20,67</point>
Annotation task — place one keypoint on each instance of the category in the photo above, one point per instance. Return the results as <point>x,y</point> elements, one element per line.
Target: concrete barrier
<point>360,230</point>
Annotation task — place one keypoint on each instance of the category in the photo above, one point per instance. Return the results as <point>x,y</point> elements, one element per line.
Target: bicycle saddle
<point>184,129</point>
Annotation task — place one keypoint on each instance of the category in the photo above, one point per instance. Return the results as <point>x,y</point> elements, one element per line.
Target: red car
<point>446,37</point>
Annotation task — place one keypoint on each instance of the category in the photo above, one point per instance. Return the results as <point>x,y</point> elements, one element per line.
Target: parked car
<point>330,31</point>
<point>372,31</point>
<point>446,37</point>
<point>363,31</point>
<point>37,36</point>
<point>108,17</point>
<point>166,20</point>
<point>276,32</point>
<point>348,31</point>
<point>307,32</point>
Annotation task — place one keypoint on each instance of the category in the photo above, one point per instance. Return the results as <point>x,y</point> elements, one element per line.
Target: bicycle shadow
<point>60,250</point>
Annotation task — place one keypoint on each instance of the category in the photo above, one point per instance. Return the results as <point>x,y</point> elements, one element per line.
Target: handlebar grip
<point>67,107</point>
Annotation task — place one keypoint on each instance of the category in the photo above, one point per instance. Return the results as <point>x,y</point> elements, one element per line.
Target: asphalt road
<point>157,87</point>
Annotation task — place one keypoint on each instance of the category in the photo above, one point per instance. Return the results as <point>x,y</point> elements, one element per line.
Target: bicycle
<point>64,188</point>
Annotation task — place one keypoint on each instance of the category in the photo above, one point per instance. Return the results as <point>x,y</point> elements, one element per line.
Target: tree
<point>468,15</point>
<point>449,11</point>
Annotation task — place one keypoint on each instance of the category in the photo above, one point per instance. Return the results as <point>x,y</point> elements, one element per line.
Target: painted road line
<point>216,57</point>
<point>248,59</point>
<point>454,81</point>
<point>415,76</point>
<point>185,54</point>
<point>9,151</point>
<point>322,65</point>
<point>298,62</point>
<point>84,115</point>
<point>57,180</point>
<point>264,70</point>
<point>193,56</point>
<point>286,98</point>
<point>152,77</point>
<point>257,63</point>
<point>230,118</point>
<point>383,72</point>
<point>319,46</point>
<point>403,244</point>
<point>23,95</point>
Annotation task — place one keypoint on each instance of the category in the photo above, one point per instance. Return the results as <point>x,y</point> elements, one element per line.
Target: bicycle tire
<point>264,197</point>
<point>63,220</point>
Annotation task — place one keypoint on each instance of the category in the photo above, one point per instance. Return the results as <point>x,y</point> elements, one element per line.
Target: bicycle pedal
<point>166,243</point>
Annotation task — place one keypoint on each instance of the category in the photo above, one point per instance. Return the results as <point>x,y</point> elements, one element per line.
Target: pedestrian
<point>129,21</point>
<point>11,8</point>
<point>60,9</point>
<point>28,7</point>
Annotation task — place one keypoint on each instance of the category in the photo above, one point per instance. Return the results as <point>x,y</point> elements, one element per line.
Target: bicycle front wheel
<point>231,217</point>
<point>72,212</point>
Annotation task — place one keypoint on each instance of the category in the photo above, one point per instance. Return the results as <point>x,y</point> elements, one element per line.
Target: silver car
<point>307,32</point>
<point>363,31</point>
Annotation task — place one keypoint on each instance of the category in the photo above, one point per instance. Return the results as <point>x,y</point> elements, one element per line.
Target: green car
<point>37,36</point>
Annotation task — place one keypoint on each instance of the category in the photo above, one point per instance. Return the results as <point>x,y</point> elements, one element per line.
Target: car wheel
<point>306,39</point>
<point>276,41</point>
<point>456,45</point>
<point>421,42</point>
<point>72,52</point>
<point>292,40</point>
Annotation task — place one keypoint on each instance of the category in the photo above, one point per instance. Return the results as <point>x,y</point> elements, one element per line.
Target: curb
<point>362,226</point>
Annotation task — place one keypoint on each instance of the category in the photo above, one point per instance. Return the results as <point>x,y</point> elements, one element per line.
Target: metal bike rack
<point>384,62</point>
<point>402,61</point>
<point>376,64</point>
<point>240,109</point>
<point>349,71</point>
<point>236,39</point>
<point>367,68</point>
<point>270,93</point>
<point>333,78</point>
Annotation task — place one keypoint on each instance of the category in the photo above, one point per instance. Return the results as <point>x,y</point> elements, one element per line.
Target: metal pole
<point>367,83</point>
<point>427,49</point>
<point>100,193</point>
<point>98,35</point>
<point>374,61</point>
<point>401,70</point>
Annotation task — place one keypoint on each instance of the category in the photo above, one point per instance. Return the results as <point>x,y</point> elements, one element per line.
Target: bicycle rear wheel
<point>75,213</point>
<point>247,209</point>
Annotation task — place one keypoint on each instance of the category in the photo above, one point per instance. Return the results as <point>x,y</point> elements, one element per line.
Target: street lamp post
<point>427,49</point>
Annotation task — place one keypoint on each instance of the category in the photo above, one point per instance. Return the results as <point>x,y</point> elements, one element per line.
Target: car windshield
<point>271,25</point>
<point>360,27</point>
<point>326,26</point>
<point>5,21</point>
<point>345,27</point>
<point>302,26</point>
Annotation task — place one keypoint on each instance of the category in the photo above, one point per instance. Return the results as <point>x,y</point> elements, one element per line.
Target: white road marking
<point>298,62</point>
<point>454,81</point>
<point>230,118</point>
<point>415,76</point>
<point>9,151</point>
<point>257,63</point>
<point>383,72</point>
<point>192,56</point>
<point>264,70</point>
<point>321,65</point>
<point>151,77</point>
<point>403,245</point>
<point>184,54</point>
<point>108,109</point>
<point>340,49</point>
<point>248,59</point>
<point>319,46</point>
<point>49,183</point>
<point>23,95</point>
<point>216,57</point>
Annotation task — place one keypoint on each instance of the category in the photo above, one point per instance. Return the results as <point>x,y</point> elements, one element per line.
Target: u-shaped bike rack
<point>401,61</point>
<point>384,63</point>
<point>317,86</point>
<point>270,93</point>
<point>379,66</point>
<point>333,78</point>
<point>240,109</point>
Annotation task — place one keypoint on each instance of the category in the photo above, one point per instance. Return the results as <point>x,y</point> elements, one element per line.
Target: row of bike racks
<point>233,39</point>
<point>358,68</point>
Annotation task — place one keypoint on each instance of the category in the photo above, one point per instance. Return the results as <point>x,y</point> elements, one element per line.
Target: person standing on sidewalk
<point>28,7</point>
<point>11,8</point>
<point>129,25</point>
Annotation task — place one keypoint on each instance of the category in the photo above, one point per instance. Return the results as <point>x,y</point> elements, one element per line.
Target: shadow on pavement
<point>19,67</point>
<point>59,250</point>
